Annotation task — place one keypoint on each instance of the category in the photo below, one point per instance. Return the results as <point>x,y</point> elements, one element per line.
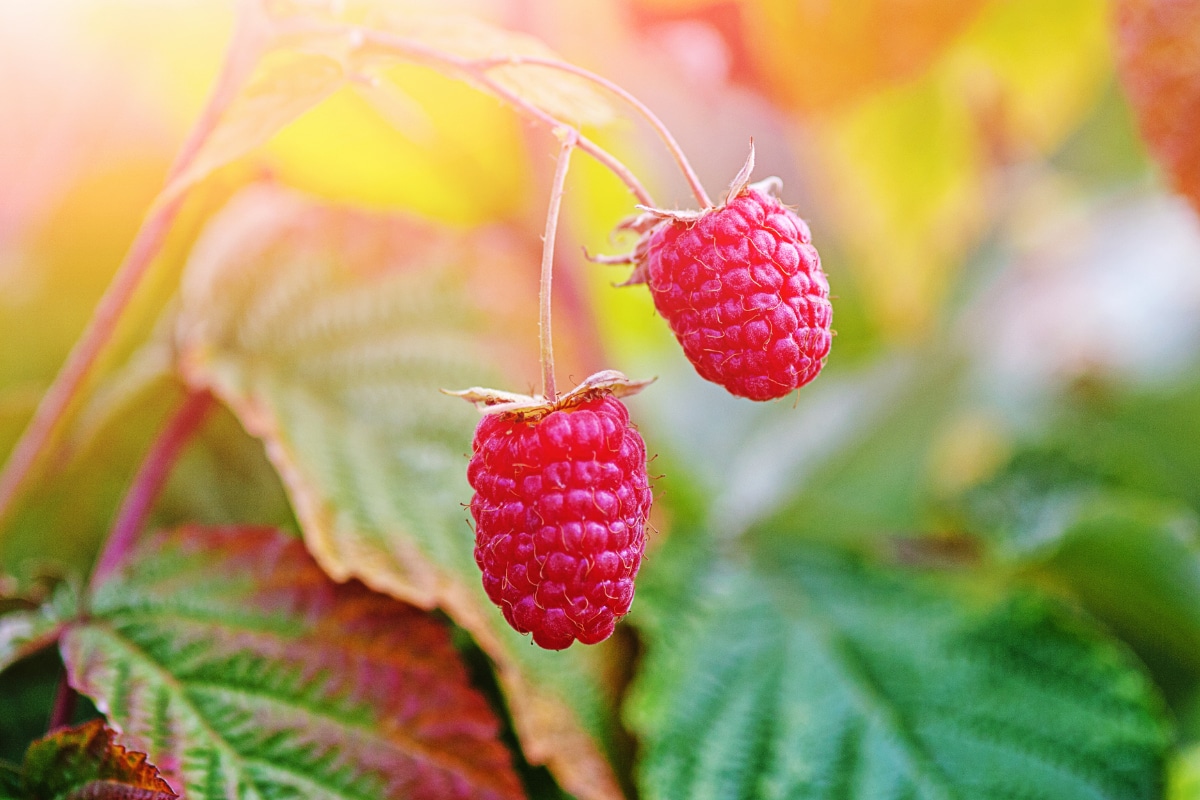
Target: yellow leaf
<point>1033,69</point>
<point>284,85</point>
<point>817,55</point>
<point>458,158</point>
<point>563,95</point>
<point>904,174</point>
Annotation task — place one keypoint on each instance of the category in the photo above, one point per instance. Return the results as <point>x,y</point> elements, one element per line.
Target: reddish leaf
<point>86,762</point>
<point>1159,62</point>
<point>243,670</point>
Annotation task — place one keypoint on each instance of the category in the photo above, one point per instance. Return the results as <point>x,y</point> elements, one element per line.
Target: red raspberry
<point>560,509</point>
<point>742,288</point>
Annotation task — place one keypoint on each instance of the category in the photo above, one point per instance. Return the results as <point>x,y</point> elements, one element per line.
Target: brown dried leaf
<point>86,763</point>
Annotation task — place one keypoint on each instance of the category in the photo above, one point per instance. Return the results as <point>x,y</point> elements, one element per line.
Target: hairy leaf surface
<point>329,333</point>
<point>233,661</point>
<point>85,763</point>
<point>816,676</point>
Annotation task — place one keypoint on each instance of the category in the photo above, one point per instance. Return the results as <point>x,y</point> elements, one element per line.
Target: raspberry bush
<point>250,547</point>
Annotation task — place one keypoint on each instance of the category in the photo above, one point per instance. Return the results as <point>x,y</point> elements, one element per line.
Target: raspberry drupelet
<point>560,507</point>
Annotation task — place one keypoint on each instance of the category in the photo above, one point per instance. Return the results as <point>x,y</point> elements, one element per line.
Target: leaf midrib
<point>868,697</point>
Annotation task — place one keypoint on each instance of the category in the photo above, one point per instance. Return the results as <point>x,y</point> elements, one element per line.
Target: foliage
<point>963,562</point>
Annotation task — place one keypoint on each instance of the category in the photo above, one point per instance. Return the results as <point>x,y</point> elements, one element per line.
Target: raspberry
<point>742,288</point>
<point>560,509</point>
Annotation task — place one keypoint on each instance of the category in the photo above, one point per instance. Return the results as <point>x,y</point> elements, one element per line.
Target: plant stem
<point>416,51</point>
<point>148,482</point>
<point>570,139</point>
<point>65,700</point>
<point>55,403</point>
<point>657,124</point>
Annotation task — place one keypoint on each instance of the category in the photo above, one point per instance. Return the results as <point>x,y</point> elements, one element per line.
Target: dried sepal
<point>742,179</point>
<point>535,406</point>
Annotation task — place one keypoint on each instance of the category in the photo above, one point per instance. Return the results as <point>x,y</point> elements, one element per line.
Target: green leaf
<point>1106,508</point>
<point>10,783</point>
<point>23,632</point>
<point>243,671</point>
<point>814,675</point>
<point>329,332</point>
<point>85,763</point>
<point>1183,782</point>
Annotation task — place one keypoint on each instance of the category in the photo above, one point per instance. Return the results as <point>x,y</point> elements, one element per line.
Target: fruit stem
<point>570,140</point>
<point>657,124</point>
<point>149,481</point>
<point>420,52</point>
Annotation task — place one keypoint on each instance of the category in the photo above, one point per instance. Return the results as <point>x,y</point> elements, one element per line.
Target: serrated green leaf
<point>85,763</point>
<point>814,675</point>
<point>243,671</point>
<point>329,333</point>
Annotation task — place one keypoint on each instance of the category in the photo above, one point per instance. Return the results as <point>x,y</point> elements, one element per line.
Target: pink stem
<point>65,700</point>
<point>657,124</point>
<point>54,405</point>
<point>570,138</point>
<point>150,478</point>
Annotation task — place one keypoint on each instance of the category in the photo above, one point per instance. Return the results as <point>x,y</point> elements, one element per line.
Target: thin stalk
<point>570,139</point>
<point>657,124</point>
<point>149,481</point>
<point>55,403</point>
<point>65,701</point>
<point>417,51</point>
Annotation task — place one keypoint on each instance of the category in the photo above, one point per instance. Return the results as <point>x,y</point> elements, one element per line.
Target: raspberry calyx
<point>561,502</point>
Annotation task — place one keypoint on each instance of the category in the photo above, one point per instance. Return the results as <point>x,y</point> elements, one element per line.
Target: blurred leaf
<point>351,149</point>
<point>855,464</point>
<point>1159,65</point>
<point>1132,560</point>
<point>26,631</point>
<point>564,96</point>
<point>314,687</point>
<point>1032,71</point>
<point>909,170</point>
<point>284,84</point>
<point>905,172</point>
<point>86,763</point>
<point>329,333</point>
<point>1183,775</point>
<point>813,674</point>
<point>305,56</point>
<point>816,55</point>
<point>10,783</point>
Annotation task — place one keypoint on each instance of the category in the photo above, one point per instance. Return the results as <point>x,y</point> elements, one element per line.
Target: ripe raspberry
<point>560,509</point>
<point>742,288</point>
